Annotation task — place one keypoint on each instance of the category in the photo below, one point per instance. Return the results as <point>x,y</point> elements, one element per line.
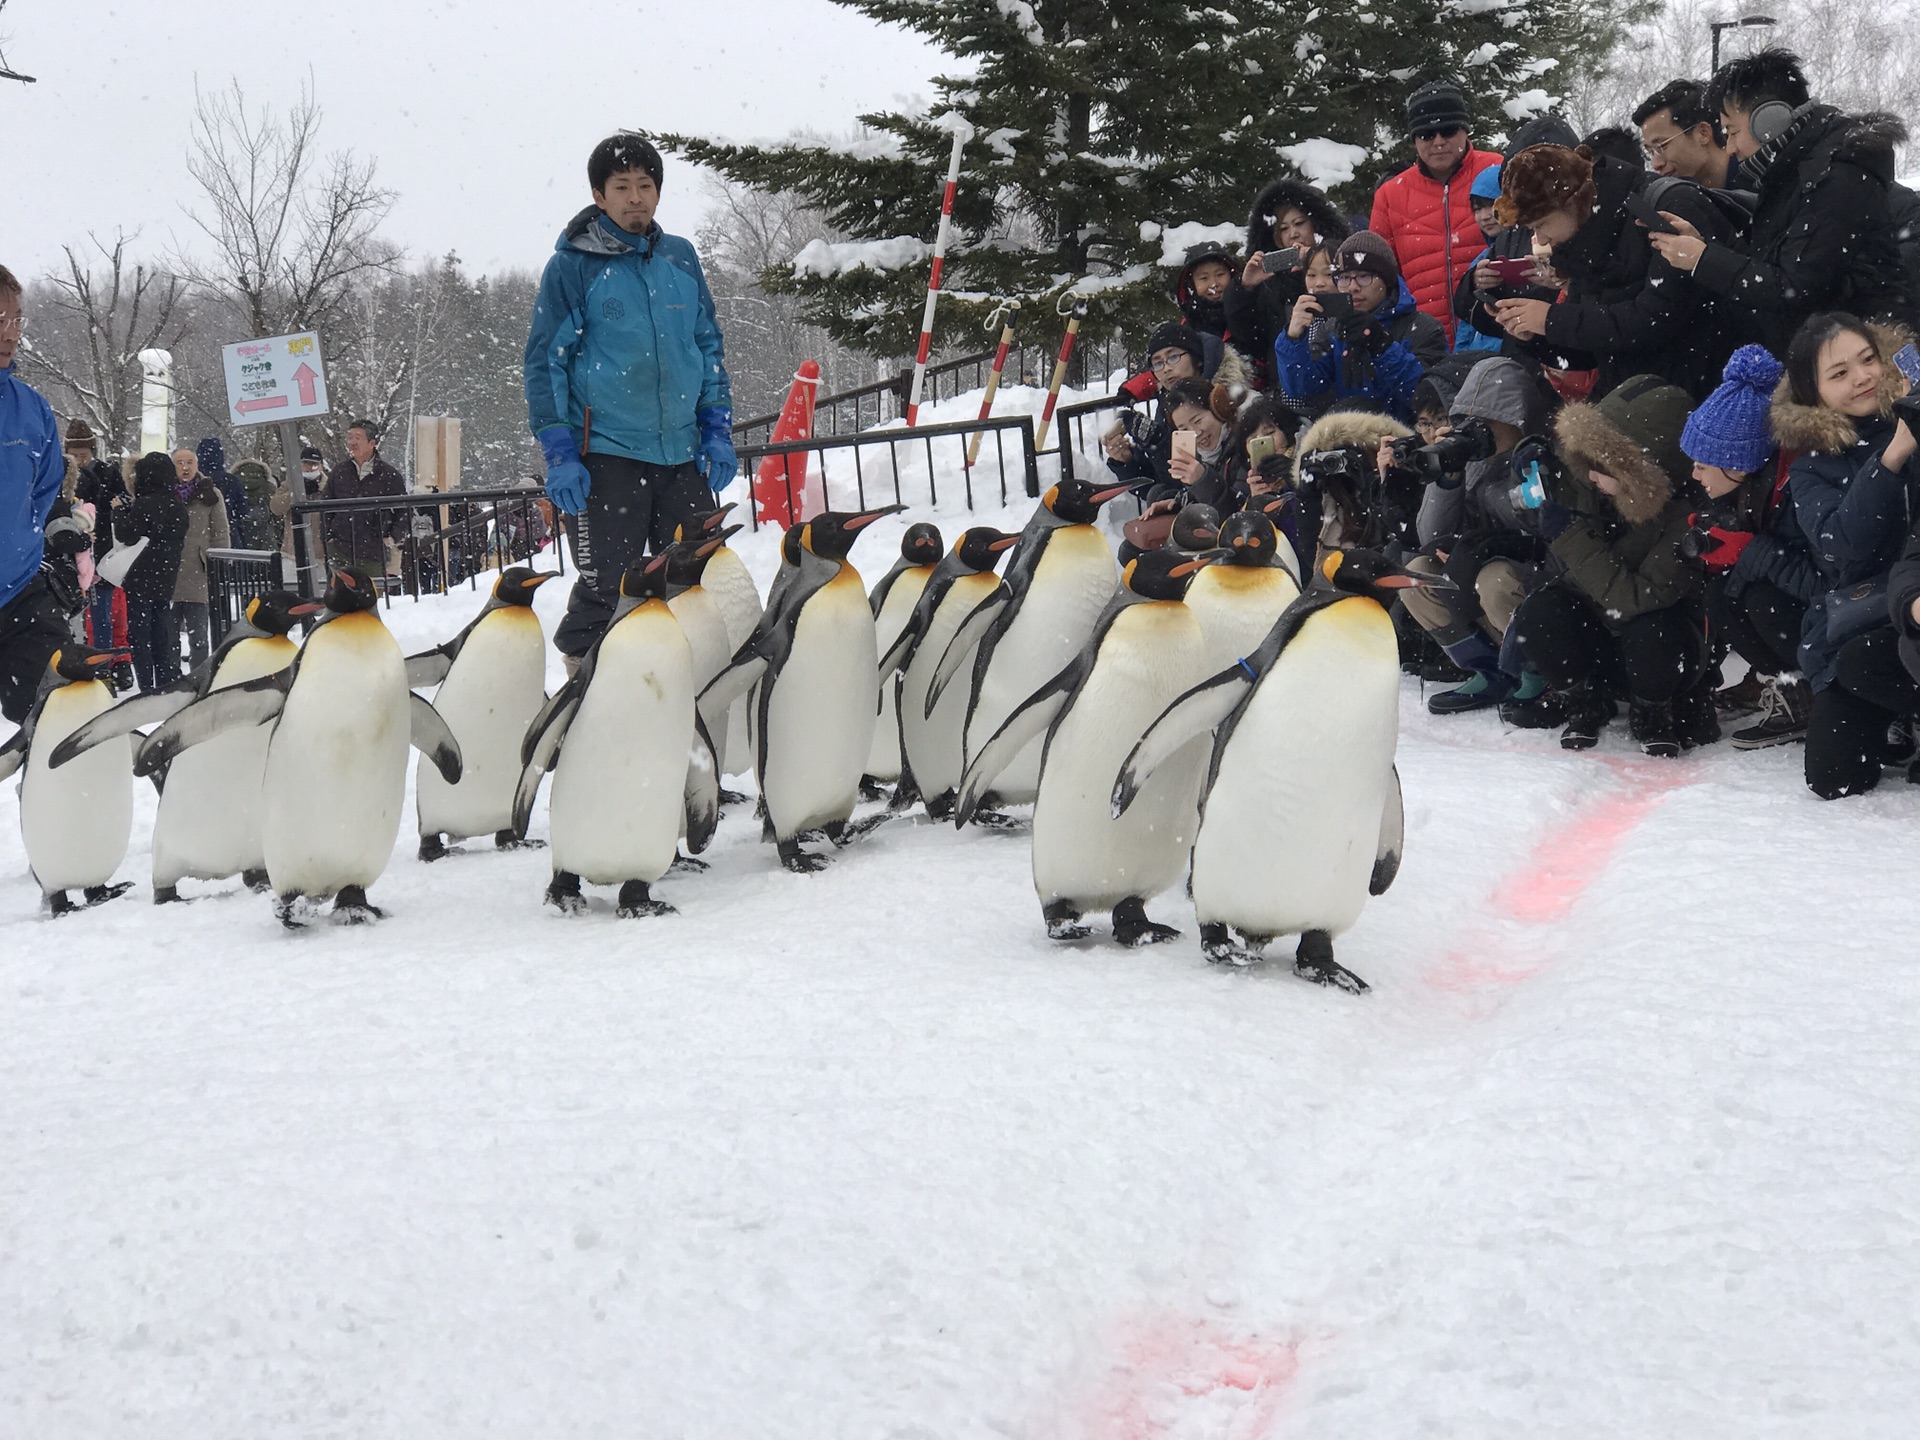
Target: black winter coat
<point>1776,548</point>
<point>158,515</point>
<point>1903,588</point>
<point>1257,317</point>
<point>1822,235</point>
<point>99,485</point>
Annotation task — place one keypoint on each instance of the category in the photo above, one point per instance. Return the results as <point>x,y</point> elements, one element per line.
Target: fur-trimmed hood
<point>1346,430</point>
<point>1292,190</point>
<point>1634,436</point>
<point>1821,429</point>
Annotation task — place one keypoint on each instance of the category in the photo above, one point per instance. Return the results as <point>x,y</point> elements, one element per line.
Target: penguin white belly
<point>934,742</point>
<point>706,631</point>
<point>76,820</point>
<point>820,710</point>
<point>1236,607</point>
<point>208,826</point>
<point>883,756</point>
<point>490,696</point>
<point>619,787</point>
<point>1292,821</point>
<point>337,761</point>
<point>732,588</point>
<point>1149,655</point>
<point>1071,586</point>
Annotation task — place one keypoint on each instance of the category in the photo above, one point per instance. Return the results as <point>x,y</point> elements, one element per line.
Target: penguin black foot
<point>100,894</point>
<point>813,837</point>
<point>844,832</point>
<point>507,840</point>
<point>872,789</point>
<point>998,820</point>
<point>433,847</point>
<point>1063,921</point>
<point>688,865</point>
<point>1218,944</point>
<point>799,861</point>
<point>167,895</point>
<point>732,797</point>
<point>291,911</point>
<point>940,807</point>
<point>351,907</point>
<point>256,881</point>
<point>905,795</point>
<point>1314,961</point>
<point>563,893</point>
<point>60,903</point>
<point>635,902</point>
<point>1132,928</point>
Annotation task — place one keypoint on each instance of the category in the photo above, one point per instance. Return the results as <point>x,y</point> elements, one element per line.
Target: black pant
<point>1847,734</point>
<point>1761,625</point>
<point>632,507</point>
<point>32,627</point>
<point>155,642</point>
<point>1654,657</point>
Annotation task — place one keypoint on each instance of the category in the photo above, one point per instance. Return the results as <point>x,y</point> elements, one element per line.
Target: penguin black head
<point>1249,539</point>
<point>981,547</point>
<point>1369,573</point>
<point>648,580</point>
<point>922,544</point>
<point>352,589</point>
<point>1163,574</point>
<point>1077,502</point>
<point>710,546</point>
<point>1196,527</point>
<point>830,534</point>
<point>516,585</point>
<point>279,612</point>
<point>76,662</point>
<point>699,525</point>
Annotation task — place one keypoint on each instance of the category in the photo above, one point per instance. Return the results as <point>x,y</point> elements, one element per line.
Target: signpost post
<point>279,380</point>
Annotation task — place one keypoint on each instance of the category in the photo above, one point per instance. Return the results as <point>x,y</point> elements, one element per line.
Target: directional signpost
<point>276,381</point>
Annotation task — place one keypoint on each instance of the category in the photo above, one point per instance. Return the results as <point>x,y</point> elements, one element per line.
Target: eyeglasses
<point>1167,362</point>
<point>1657,149</point>
<point>15,323</point>
<point>1348,279</point>
<point>1443,132</point>
<point>1432,429</point>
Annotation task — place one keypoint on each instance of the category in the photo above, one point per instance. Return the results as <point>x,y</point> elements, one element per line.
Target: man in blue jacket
<point>626,380</point>
<point>32,625</point>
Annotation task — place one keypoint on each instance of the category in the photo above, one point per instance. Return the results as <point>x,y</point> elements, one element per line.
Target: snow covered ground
<point>1622,1143</point>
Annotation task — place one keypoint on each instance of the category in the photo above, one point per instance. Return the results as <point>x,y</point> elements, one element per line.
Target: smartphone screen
<point>1259,447</point>
<point>1908,360</point>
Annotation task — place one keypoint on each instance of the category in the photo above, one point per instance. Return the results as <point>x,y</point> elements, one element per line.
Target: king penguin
<point>893,601</point>
<point>1059,580</point>
<point>1301,818</point>
<point>628,757</point>
<point>208,825</point>
<point>341,719</point>
<point>75,821</point>
<point>930,742</point>
<point>814,657</point>
<point>492,678</point>
<point>1239,600</point>
<point>701,619</point>
<point>727,581</point>
<point>1145,651</point>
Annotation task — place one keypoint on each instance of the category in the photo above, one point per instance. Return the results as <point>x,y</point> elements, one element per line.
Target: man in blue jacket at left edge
<point>32,624</point>
<point>626,382</point>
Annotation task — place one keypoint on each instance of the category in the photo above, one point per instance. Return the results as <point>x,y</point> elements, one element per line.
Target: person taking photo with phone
<point>1290,220</point>
<point>1366,342</point>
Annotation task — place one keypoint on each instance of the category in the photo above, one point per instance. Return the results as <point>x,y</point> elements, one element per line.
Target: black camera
<point>1698,541</point>
<point>1336,465</point>
<point>1448,457</point>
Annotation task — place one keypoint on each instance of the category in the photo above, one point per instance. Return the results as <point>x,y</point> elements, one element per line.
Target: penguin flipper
<point>731,683</point>
<point>904,644</point>
<point>1194,713</point>
<point>542,747</point>
<point>123,719</point>
<point>1393,835</point>
<point>254,703</point>
<point>703,789</point>
<point>429,667</point>
<point>972,631</point>
<point>1034,716</point>
<point>13,753</point>
<point>433,738</point>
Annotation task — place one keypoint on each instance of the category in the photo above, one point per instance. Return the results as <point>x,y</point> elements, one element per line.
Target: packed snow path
<point>1621,1143</point>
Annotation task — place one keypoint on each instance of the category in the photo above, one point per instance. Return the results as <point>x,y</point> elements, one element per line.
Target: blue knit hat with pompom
<point>1730,427</point>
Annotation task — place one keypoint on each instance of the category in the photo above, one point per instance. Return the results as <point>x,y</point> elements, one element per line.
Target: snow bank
<point>1325,163</point>
<point>1176,240</point>
<point>827,260</point>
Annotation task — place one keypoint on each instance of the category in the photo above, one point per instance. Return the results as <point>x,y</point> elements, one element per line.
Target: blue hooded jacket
<point>624,325</point>
<point>213,464</point>
<point>1396,370</point>
<point>31,470</point>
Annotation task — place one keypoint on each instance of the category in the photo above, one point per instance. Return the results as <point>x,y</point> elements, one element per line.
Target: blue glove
<point>716,459</point>
<point>567,479</point>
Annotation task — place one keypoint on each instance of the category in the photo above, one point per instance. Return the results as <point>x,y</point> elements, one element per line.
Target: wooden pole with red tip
<point>1010,314</point>
<point>961,133</point>
<point>1075,315</point>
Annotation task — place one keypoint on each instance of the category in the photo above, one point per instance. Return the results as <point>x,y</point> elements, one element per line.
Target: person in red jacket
<point>1426,211</point>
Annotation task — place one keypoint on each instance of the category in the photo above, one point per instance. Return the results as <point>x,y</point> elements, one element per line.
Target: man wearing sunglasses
<point>1426,211</point>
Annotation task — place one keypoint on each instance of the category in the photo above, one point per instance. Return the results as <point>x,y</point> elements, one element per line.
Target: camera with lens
<point>1326,465</point>
<point>1444,462</point>
<point>1698,541</point>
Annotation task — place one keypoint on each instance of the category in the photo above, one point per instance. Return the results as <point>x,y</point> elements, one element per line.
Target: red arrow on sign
<point>305,377</point>
<point>268,402</point>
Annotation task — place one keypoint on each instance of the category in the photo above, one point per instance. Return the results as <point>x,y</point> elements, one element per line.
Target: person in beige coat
<point>207,529</point>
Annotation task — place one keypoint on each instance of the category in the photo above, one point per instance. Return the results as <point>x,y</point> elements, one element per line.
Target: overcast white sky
<point>480,112</point>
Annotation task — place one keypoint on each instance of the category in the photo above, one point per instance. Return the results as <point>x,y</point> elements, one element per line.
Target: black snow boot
<point>1652,726</point>
<point>1696,718</point>
<point>1587,716</point>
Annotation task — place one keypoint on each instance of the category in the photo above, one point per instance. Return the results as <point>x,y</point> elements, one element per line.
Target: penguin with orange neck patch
<point>814,656</point>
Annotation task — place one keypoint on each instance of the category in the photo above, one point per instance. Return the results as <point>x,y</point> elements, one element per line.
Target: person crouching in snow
<point>1624,616</point>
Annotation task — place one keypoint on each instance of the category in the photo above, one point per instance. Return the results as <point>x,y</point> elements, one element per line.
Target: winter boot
<point>1532,706</point>
<point>1652,725</point>
<point>1695,720</point>
<point>1486,685</point>
<point>1785,704</point>
<point>1743,698</point>
<point>1587,715</point>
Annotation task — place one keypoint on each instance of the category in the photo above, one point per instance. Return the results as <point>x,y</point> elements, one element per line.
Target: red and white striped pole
<point>1075,315</point>
<point>960,133</point>
<point>1011,315</point>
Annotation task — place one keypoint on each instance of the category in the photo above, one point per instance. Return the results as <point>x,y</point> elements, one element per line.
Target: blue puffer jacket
<point>1418,341</point>
<point>31,469</point>
<point>624,325</point>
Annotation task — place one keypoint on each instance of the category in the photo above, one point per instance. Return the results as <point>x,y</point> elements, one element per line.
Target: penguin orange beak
<point>305,607</point>
<point>1112,492</point>
<point>655,563</point>
<point>1198,563</point>
<point>346,579</point>
<point>1005,542</point>
<point>537,579</point>
<point>713,520</point>
<point>867,517</point>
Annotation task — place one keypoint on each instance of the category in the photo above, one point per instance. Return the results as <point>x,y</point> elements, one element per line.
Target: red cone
<point>780,492</point>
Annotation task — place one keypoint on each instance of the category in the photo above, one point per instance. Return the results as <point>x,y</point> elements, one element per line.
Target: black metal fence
<point>237,576</point>
<point>425,544</point>
<point>858,478</point>
<point>1078,429</point>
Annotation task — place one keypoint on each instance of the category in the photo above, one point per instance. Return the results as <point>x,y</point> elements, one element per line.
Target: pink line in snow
<point>1170,1366</point>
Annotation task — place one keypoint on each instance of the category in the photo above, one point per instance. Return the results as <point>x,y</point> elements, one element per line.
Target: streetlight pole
<point>1745,22</point>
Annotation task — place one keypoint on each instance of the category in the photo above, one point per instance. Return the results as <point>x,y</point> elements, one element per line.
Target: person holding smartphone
<point>1290,221</point>
<point>1367,342</point>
